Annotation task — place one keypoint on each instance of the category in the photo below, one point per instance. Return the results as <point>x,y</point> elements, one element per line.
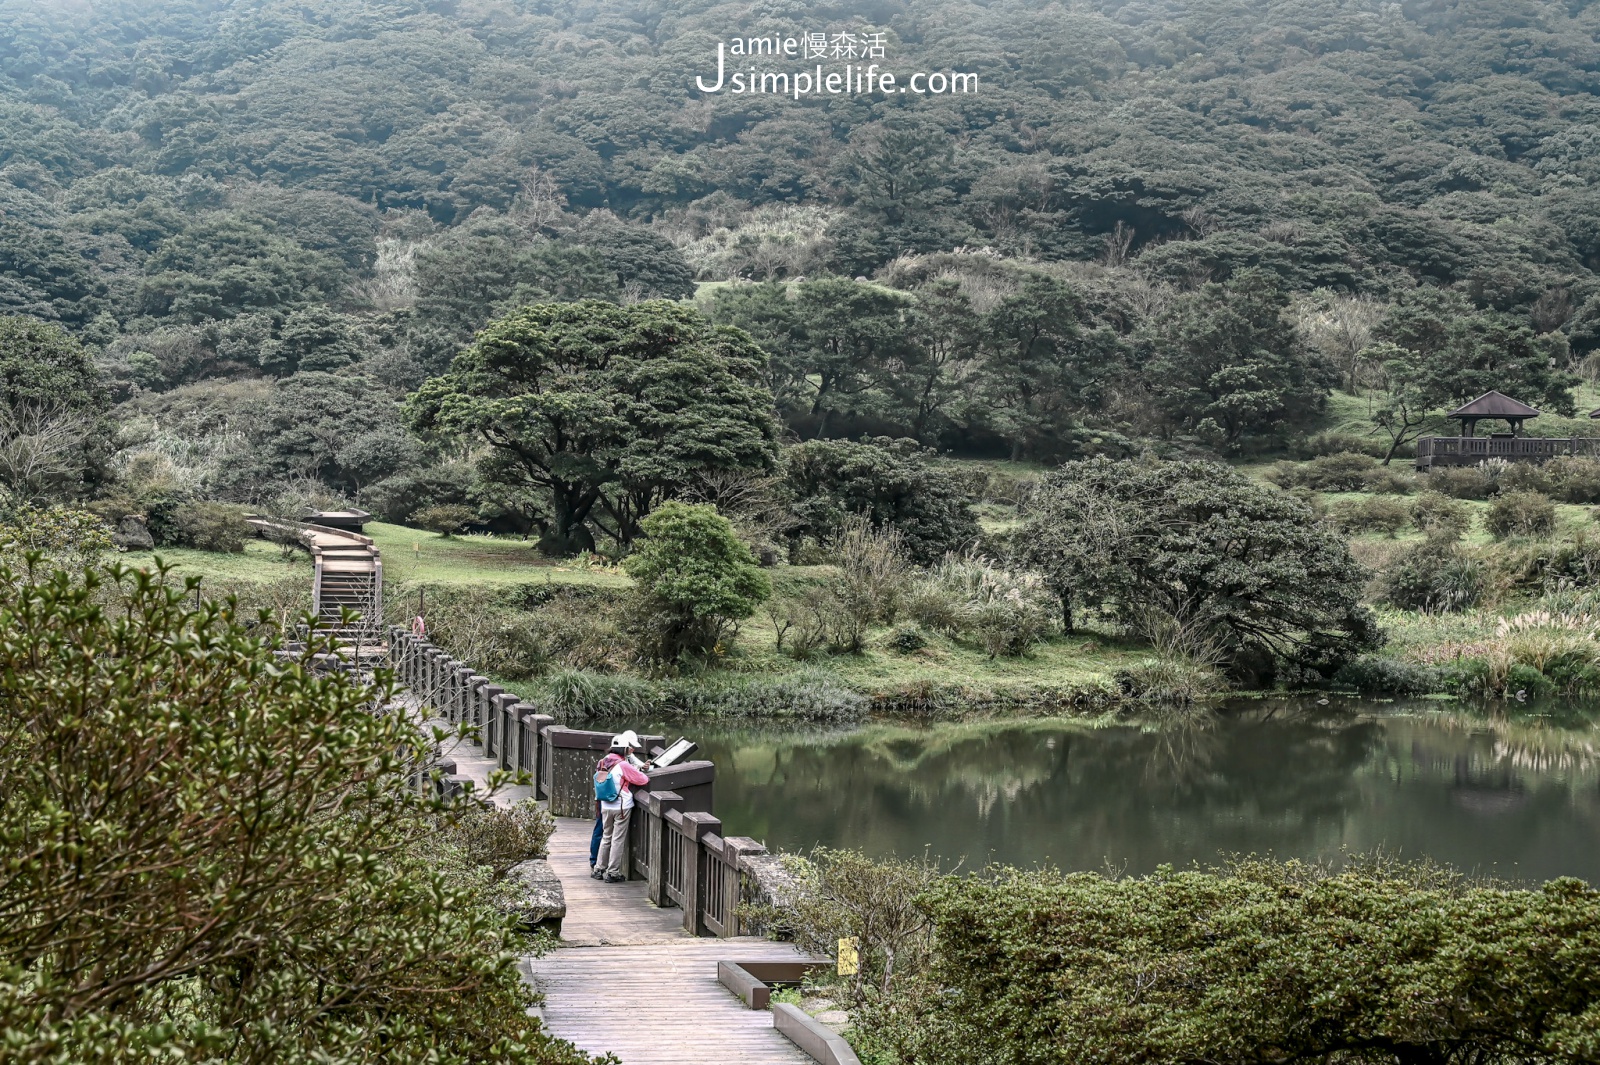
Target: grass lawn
<point>414,555</point>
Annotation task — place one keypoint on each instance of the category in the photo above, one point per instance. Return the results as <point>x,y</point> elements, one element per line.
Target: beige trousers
<point>613,857</point>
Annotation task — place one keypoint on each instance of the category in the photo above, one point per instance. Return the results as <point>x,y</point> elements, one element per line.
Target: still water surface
<point>1515,795</point>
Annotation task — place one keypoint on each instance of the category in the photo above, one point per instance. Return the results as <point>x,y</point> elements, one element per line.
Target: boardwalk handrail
<point>676,844</point>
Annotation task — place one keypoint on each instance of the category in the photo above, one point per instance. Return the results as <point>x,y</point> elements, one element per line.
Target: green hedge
<point>1261,962</point>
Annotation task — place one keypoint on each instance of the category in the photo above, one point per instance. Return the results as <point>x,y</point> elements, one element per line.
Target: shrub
<point>500,838</point>
<point>1436,515</point>
<point>1461,482</point>
<point>1517,476</point>
<point>1337,443</point>
<point>1036,967</point>
<point>1574,479</point>
<point>1371,514</point>
<point>1004,612</point>
<point>1392,480</point>
<point>291,842</point>
<point>1520,513</point>
<point>446,520</point>
<point>211,527</point>
<point>575,695</point>
<point>1392,676</point>
<point>695,580</point>
<point>907,639</point>
<point>1433,577</point>
<point>843,894</point>
<point>1344,472</point>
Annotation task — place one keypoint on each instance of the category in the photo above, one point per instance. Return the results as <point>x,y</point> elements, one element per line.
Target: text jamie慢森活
<point>855,79</point>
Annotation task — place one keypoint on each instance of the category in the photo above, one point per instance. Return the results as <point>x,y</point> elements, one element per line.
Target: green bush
<point>1392,480</point>
<point>1391,676</point>
<point>210,527</point>
<point>1005,612</point>
<point>1439,516</point>
<point>1461,482</point>
<point>1517,476</point>
<point>1344,472</point>
<point>446,519</point>
<point>256,851</point>
<point>1433,577</point>
<point>1520,513</point>
<point>499,838</point>
<point>1259,961</point>
<point>892,483</point>
<point>1574,479</point>
<point>907,639</point>
<point>695,580</point>
<point>1372,514</point>
<point>1340,443</point>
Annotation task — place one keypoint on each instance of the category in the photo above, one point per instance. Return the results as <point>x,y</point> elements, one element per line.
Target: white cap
<point>625,739</point>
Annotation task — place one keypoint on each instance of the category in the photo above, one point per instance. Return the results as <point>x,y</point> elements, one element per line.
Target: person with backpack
<point>614,780</point>
<point>631,739</point>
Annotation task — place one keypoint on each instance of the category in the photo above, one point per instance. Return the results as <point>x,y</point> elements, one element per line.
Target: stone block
<point>536,900</point>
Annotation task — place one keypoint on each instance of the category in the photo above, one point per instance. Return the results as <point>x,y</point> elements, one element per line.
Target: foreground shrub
<point>214,854</point>
<point>1520,513</point>
<point>1256,962</point>
<point>498,838</point>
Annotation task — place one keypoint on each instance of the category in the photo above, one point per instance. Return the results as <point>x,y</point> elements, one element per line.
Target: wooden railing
<point>676,844</point>
<point>1469,450</point>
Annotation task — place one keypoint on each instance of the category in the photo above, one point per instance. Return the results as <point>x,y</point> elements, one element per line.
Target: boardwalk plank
<point>629,981</point>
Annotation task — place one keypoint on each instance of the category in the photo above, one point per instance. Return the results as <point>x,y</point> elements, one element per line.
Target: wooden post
<point>657,840</point>
<point>695,827</point>
<point>736,848</point>
<point>478,700</point>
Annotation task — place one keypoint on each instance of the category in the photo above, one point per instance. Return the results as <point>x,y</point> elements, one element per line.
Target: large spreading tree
<point>590,414</point>
<point>1199,545</point>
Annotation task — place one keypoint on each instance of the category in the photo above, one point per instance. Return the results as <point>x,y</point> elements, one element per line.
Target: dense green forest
<point>1176,225</point>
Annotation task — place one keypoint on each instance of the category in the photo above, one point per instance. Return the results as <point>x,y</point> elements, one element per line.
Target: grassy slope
<point>411,557</point>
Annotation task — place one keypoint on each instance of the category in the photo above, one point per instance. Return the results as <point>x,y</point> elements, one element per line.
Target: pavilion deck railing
<point>1470,450</point>
<point>676,844</point>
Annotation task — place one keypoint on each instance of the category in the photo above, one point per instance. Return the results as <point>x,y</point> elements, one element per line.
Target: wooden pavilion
<point>1470,449</point>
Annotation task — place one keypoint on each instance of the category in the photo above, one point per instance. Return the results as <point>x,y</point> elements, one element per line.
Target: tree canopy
<point>592,414</point>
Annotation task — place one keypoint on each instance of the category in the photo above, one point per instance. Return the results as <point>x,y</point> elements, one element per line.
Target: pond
<point>1514,795</point>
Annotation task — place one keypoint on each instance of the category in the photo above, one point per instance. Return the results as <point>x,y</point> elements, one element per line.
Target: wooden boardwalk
<point>629,981</point>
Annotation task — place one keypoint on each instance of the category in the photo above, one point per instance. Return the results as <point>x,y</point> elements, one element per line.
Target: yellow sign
<point>849,956</point>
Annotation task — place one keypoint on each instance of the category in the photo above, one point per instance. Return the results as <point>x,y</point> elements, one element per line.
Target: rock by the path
<point>132,535</point>
<point>537,898</point>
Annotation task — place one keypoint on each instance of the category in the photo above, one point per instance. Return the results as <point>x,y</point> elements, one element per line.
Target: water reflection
<point>1519,798</point>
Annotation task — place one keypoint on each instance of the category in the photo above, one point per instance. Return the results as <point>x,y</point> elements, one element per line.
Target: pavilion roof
<point>1494,405</point>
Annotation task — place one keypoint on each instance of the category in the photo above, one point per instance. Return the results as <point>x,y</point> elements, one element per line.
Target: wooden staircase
<point>348,575</point>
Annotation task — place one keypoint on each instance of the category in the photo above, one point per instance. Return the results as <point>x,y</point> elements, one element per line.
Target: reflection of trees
<point>1290,777</point>
<point>1072,792</point>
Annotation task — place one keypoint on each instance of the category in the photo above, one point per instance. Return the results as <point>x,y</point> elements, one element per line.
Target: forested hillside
<point>1177,224</point>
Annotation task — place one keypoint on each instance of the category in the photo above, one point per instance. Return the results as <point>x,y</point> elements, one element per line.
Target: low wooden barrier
<point>676,843</point>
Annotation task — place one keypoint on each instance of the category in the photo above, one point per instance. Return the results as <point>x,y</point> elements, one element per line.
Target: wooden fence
<point>1472,450</point>
<point>676,843</point>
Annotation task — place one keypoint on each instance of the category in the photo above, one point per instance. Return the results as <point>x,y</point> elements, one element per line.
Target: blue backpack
<point>606,788</point>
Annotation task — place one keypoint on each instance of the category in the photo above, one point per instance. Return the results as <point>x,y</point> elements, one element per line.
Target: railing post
<point>695,826</point>
<point>660,836</point>
<point>737,848</point>
<point>476,700</point>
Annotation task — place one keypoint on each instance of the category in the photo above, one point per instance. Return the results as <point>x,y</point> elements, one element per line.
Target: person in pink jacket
<point>612,861</point>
